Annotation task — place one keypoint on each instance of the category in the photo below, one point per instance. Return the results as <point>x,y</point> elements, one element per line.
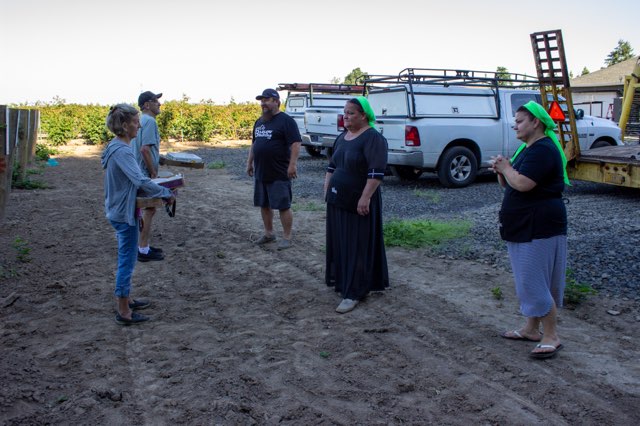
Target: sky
<point>105,52</point>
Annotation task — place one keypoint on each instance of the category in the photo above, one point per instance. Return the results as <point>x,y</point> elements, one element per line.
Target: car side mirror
<point>579,113</point>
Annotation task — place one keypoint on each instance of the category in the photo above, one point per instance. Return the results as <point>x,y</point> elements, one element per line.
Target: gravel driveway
<point>604,227</point>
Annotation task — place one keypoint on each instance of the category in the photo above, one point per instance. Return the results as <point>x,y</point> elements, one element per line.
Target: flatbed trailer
<point>614,165</point>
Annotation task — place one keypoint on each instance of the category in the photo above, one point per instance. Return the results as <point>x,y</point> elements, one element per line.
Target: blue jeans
<point>127,256</point>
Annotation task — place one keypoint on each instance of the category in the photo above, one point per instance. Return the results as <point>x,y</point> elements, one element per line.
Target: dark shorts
<point>275,195</point>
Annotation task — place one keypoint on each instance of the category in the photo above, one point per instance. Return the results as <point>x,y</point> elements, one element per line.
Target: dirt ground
<point>246,335</point>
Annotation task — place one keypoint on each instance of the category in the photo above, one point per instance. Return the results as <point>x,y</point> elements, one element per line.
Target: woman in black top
<point>533,221</point>
<point>356,258</point>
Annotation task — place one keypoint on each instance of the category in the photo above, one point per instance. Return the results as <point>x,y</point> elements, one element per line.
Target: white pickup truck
<point>452,122</point>
<point>315,108</point>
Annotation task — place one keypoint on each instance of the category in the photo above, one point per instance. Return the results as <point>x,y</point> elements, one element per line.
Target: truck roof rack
<point>454,77</point>
<point>322,88</point>
<point>411,77</point>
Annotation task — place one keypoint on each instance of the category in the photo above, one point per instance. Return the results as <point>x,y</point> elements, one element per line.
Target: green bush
<point>178,120</point>
<point>60,123</point>
<point>205,121</point>
<point>93,125</point>
<point>43,151</point>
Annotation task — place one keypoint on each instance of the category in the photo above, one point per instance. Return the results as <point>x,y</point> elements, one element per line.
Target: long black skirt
<point>356,258</point>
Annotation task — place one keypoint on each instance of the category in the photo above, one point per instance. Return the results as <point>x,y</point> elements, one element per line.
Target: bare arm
<point>501,180</point>
<point>145,151</point>
<point>327,178</point>
<point>292,172</point>
<point>250,162</point>
<point>510,176</point>
<point>367,193</point>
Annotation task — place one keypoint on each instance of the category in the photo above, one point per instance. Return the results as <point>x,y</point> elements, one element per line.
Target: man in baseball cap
<point>146,97</point>
<point>146,149</point>
<point>272,163</point>
<point>268,93</point>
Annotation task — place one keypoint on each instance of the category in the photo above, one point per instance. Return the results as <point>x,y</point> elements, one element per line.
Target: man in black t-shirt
<point>272,161</point>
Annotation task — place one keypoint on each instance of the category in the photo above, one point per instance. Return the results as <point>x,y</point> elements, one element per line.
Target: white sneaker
<point>346,305</point>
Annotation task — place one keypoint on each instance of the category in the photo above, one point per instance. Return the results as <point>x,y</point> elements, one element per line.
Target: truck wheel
<point>458,167</point>
<point>600,143</point>
<point>406,172</point>
<point>313,151</point>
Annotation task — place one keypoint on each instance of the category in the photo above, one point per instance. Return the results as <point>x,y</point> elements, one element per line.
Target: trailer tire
<point>458,167</point>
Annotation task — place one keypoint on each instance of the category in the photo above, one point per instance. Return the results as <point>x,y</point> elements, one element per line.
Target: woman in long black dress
<point>356,258</point>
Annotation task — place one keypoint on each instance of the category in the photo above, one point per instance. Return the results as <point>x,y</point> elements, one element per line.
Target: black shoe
<point>152,255</point>
<point>156,249</point>
<point>136,318</point>
<point>139,304</point>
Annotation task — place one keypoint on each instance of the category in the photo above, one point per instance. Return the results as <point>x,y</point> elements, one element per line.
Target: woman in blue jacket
<point>122,179</point>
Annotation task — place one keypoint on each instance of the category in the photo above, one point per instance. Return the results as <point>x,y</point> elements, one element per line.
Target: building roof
<point>610,76</point>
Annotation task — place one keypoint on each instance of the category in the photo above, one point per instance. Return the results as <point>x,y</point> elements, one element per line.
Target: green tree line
<point>178,120</point>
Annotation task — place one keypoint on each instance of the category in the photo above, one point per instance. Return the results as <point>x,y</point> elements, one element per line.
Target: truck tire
<point>406,172</point>
<point>600,143</point>
<point>458,167</point>
<point>313,151</point>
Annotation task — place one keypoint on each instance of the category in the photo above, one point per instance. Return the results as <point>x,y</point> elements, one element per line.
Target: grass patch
<point>29,184</point>
<point>220,164</point>
<point>22,250</point>
<point>18,183</point>
<point>421,233</point>
<point>34,171</point>
<point>310,206</point>
<point>575,292</point>
<point>7,272</point>
<point>433,196</point>
<point>497,293</point>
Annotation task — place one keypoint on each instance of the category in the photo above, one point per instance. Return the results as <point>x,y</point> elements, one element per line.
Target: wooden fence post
<point>4,158</point>
<point>23,145</point>
<point>33,132</point>
<point>8,118</point>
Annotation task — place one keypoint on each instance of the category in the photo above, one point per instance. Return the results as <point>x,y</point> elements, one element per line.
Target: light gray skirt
<point>539,269</point>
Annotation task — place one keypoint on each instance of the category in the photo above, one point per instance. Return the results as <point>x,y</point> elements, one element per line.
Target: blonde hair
<point>118,115</point>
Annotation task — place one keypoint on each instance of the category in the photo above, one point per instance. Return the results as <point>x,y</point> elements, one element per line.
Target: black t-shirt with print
<point>272,142</point>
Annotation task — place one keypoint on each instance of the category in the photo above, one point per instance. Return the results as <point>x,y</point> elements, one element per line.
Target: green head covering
<point>368,111</point>
<point>539,112</point>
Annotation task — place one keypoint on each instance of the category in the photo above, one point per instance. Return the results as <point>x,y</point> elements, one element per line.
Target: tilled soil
<point>248,335</point>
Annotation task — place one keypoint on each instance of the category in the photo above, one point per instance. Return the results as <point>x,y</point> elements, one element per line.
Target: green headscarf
<point>368,111</point>
<point>539,112</point>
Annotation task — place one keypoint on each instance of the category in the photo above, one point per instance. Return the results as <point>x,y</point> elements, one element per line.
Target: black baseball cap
<point>146,97</point>
<point>268,93</point>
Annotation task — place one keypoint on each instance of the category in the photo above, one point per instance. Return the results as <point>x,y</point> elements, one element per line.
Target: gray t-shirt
<point>148,134</point>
